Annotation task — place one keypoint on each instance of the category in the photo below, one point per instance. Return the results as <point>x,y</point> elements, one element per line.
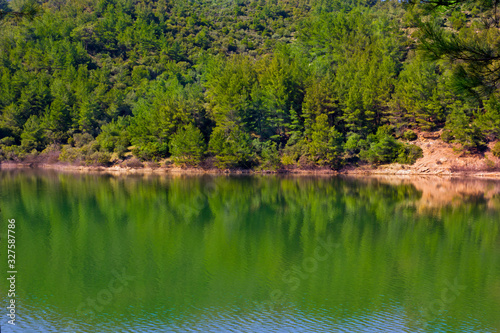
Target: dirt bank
<point>439,158</point>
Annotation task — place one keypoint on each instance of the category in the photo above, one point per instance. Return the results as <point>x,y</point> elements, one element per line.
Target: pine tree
<point>187,145</point>
<point>325,146</point>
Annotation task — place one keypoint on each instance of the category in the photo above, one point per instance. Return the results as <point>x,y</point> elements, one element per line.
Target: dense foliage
<point>241,83</point>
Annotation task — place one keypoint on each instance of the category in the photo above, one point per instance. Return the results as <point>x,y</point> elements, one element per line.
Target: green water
<point>249,254</point>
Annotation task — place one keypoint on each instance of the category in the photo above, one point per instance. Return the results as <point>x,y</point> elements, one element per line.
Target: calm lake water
<point>99,253</point>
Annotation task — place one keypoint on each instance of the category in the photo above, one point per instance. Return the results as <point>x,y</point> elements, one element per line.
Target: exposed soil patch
<point>440,158</point>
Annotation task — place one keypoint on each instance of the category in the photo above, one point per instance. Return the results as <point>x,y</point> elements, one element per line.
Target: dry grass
<point>485,165</point>
<point>152,165</point>
<point>133,163</point>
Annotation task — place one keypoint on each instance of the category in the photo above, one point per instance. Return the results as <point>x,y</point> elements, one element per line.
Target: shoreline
<point>384,170</point>
<point>439,159</point>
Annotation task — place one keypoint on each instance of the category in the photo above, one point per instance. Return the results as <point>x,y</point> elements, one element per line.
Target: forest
<point>264,84</point>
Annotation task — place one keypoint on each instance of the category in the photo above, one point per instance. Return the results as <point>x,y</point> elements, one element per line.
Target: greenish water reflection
<point>252,254</point>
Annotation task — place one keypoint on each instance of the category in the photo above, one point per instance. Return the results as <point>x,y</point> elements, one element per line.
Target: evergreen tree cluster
<point>242,83</point>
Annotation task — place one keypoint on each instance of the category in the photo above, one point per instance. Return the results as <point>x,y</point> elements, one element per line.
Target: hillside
<point>264,85</point>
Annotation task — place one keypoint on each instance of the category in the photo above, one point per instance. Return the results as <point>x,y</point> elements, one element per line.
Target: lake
<point>103,253</point>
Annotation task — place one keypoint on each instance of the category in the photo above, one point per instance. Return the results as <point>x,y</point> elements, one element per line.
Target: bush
<point>488,119</point>
<point>384,148</point>
<point>325,146</point>
<point>232,148</point>
<point>82,139</point>
<point>294,149</point>
<point>32,136</point>
<point>496,149</point>
<point>152,165</point>
<point>71,154</point>
<point>446,136</point>
<point>86,151</point>
<point>7,141</point>
<point>114,136</point>
<point>31,157</point>
<point>269,157</point>
<point>187,146</point>
<point>287,160</point>
<point>120,151</point>
<point>464,130</point>
<point>150,150</point>
<point>490,165</point>
<point>10,153</point>
<point>352,146</point>
<point>133,163</point>
<point>50,154</point>
<point>98,158</point>
<point>409,135</point>
<point>408,154</point>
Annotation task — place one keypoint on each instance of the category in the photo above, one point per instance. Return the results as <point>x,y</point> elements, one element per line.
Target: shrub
<point>150,150</point>
<point>71,154</point>
<point>287,160</point>
<point>384,148</point>
<point>31,157</point>
<point>232,148</point>
<point>32,136</point>
<point>50,154</point>
<point>295,147</point>
<point>464,131</point>
<point>114,136</point>
<point>7,141</point>
<point>187,145</point>
<point>99,158</point>
<point>120,151</point>
<point>496,149</point>
<point>9,153</point>
<point>408,154</point>
<point>133,163</point>
<point>269,157</point>
<point>352,144</point>
<point>82,139</point>
<point>489,164</point>
<point>488,119</point>
<point>409,135</point>
<point>446,136</point>
<point>326,143</point>
<point>152,165</point>
<point>86,151</point>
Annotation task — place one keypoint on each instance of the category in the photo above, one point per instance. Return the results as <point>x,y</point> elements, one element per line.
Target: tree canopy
<point>246,83</point>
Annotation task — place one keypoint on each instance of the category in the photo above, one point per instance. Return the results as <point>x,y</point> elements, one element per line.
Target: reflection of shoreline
<point>116,169</point>
<point>205,242</point>
<point>436,191</point>
<point>441,191</point>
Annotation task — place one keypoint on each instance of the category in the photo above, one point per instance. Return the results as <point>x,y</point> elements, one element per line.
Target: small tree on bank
<point>187,145</point>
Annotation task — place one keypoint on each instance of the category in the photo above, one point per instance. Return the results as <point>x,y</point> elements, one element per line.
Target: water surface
<point>101,253</point>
